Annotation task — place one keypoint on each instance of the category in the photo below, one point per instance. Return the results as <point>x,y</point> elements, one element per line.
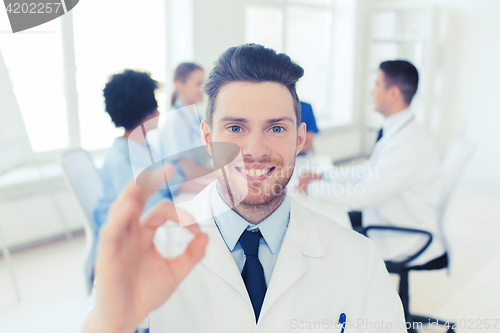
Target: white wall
<point>478,86</point>
<point>218,25</point>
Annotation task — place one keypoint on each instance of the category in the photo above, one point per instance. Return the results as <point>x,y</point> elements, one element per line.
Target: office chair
<point>457,157</point>
<point>84,182</point>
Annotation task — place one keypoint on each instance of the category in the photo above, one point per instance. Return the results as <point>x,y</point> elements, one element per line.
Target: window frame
<point>70,86</point>
<point>282,5</point>
<point>70,83</point>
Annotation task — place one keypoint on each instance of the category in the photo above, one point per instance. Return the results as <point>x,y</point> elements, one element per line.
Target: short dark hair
<point>252,63</point>
<point>130,97</point>
<point>182,73</point>
<point>403,74</point>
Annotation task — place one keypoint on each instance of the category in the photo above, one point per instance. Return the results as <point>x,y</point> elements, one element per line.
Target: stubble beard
<point>259,196</point>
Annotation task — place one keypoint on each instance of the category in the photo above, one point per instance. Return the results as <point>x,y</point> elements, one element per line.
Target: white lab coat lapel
<point>218,259</point>
<point>217,256</point>
<point>301,240</point>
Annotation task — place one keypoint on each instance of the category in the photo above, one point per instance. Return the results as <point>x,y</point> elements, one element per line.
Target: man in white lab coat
<point>400,183</point>
<point>256,261</point>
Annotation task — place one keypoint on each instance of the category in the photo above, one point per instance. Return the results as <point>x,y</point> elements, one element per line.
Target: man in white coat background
<point>257,260</point>
<point>400,183</point>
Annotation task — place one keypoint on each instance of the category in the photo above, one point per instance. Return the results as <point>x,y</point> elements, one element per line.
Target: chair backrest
<point>84,181</point>
<point>458,155</point>
<point>83,178</point>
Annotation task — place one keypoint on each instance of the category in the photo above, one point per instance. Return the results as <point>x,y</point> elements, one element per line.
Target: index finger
<point>166,210</point>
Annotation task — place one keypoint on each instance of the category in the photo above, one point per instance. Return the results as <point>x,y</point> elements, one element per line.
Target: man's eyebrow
<point>277,120</point>
<point>239,120</point>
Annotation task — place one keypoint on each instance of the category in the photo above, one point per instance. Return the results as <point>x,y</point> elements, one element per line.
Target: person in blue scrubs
<point>130,101</point>
<point>180,132</point>
<point>307,116</point>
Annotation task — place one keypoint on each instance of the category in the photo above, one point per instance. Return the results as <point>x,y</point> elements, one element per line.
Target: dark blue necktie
<point>380,134</point>
<point>253,273</point>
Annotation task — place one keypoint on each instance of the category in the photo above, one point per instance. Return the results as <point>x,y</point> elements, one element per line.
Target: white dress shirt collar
<point>232,225</point>
<point>395,121</point>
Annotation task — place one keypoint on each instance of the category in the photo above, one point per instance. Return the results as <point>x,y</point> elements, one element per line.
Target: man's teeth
<point>256,172</point>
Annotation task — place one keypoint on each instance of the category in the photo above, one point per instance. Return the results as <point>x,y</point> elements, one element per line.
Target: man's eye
<point>235,129</point>
<point>277,129</point>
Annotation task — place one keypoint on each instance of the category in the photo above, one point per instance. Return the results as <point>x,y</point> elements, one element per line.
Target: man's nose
<point>256,146</point>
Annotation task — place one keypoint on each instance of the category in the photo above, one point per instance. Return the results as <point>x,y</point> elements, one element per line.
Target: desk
<point>318,164</point>
<point>333,210</point>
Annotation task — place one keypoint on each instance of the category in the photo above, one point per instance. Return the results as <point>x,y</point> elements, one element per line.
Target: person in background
<point>130,101</point>
<point>307,116</point>
<point>180,132</point>
<point>400,184</point>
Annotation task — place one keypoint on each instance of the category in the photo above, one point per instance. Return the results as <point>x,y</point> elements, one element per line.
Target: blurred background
<point>57,72</point>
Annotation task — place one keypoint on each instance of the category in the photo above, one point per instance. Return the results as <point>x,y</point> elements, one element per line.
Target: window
<point>34,61</point>
<point>264,26</point>
<point>308,41</point>
<point>321,40</point>
<point>135,39</point>
<point>398,33</point>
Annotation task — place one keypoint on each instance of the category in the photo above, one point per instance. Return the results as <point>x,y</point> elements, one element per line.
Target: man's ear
<point>206,136</point>
<point>395,93</point>
<point>301,137</point>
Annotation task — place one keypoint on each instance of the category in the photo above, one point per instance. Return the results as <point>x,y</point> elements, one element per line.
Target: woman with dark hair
<point>130,101</point>
<point>180,132</point>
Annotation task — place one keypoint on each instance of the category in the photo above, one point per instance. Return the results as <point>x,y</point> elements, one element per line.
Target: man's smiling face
<point>260,118</point>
